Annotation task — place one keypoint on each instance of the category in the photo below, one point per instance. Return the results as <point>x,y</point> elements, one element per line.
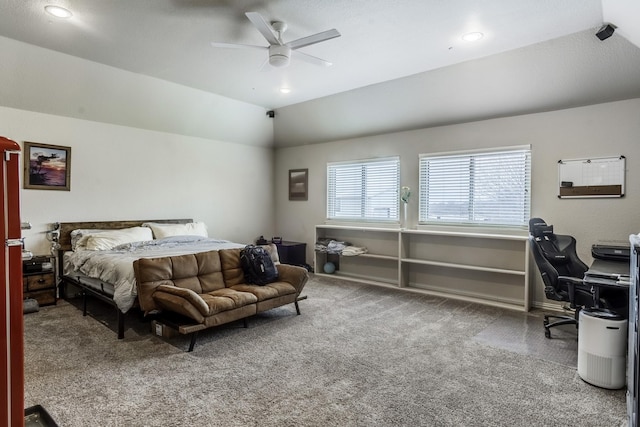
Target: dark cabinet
<point>292,252</point>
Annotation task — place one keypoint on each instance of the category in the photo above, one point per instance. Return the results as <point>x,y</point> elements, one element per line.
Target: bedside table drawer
<point>38,281</point>
<point>46,297</point>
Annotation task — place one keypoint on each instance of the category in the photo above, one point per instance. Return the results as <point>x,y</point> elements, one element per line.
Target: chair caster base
<point>562,320</point>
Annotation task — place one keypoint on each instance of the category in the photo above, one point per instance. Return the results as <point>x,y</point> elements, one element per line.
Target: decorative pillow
<point>79,237</point>
<point>160,231</point>
<point>112,238</point>
<point>272,250</point>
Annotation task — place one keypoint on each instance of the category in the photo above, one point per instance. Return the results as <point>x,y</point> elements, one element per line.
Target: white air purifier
<point>602,348</point>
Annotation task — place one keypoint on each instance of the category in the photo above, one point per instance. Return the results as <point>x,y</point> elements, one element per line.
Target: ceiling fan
<point>279,52</point>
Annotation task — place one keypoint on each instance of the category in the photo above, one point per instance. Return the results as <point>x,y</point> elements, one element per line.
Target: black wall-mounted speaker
<point>605,31</point>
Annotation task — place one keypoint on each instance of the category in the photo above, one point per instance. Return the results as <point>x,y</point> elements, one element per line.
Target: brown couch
<point>198,291</point>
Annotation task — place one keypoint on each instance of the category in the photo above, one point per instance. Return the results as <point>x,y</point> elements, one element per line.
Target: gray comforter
<point>116,266</point>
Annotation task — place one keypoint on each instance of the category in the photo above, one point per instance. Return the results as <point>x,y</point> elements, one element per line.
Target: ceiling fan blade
<point>264,67</point>
<point>311,59</point>
<point>237,46</point>
<point>316,38</point>
<point>265,29</point>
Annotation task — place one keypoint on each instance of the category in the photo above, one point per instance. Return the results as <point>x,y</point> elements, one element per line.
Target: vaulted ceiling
<point>381,41</point>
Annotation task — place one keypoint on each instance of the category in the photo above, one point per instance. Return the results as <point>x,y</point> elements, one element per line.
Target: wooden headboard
<point>67,227</point>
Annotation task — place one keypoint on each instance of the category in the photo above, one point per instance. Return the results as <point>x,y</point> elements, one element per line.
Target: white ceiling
<point>381,40</point>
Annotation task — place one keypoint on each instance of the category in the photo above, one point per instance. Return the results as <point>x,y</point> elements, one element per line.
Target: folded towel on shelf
<point>353,251</point>
<point>336,247</point>
<point>331,246</point>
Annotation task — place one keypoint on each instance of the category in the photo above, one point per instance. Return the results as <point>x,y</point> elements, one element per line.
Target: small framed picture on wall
<point>47,167</point>
<point>298,182</point>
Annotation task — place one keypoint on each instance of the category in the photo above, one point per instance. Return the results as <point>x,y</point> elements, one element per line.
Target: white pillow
<point>160,231</point>
<point>112,238</point>
<point>80,235</point>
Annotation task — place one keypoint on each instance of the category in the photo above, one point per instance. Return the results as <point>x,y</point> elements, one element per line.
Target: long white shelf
<point>409,269</point>
<point>376,256</point>
<point>362,279</point>
<point>464,266</point>
<point>466,234</point>
<point>358,228</point>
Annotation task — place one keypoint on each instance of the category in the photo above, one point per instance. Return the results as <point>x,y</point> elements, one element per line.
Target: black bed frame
<point>64,241</point>
<point>101,295</point>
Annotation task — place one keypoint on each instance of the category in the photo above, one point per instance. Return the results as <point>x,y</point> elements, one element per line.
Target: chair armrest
<point>572,282</point>
<point>181,300</point>
<point>296,276</point>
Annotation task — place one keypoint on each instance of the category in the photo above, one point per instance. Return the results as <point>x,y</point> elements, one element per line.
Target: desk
<point>609,273</point>
<point>604,274</point>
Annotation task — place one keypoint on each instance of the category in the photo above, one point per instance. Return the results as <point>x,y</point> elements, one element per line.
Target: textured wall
<point>123,173</point>
<point>600,130</point>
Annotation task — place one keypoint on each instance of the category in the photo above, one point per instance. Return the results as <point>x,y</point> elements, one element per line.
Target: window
<point>491,188</point>
<point>366,190</point>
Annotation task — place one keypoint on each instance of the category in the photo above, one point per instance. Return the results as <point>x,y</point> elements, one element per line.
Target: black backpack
<point>257,266</point>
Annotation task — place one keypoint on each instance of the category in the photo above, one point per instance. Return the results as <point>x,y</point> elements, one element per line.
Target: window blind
<point>492,188</point>
<point>364,190</point>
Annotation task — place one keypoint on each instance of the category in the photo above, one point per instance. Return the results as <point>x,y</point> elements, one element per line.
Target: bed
<point>97,257</point>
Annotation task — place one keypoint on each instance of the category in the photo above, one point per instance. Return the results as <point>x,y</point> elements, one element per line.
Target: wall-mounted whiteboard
<point>596,177</point>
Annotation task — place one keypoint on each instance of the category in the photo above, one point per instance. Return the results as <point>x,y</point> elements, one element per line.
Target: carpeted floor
<point>357,356</point>
<point>524,334</point>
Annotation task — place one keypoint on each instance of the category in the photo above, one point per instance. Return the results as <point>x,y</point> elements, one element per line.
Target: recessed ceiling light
<point>472,37</point>
<point>285,90</point>
<point>57,11</point>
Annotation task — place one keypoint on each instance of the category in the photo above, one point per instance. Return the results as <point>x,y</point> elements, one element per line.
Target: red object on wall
<point>11,320</point>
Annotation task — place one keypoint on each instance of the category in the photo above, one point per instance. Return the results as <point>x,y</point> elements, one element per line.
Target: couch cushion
<point>231,267</point>
<point>199,272</point>
<point>227,299</point>
<point>200,307</point>
<point>272,290</point>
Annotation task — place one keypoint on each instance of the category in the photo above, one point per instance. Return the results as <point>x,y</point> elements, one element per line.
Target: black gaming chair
<point>561,270</point>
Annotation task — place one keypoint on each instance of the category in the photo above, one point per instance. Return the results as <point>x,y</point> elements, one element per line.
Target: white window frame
<point>463,180</point>
<point>367,206</point>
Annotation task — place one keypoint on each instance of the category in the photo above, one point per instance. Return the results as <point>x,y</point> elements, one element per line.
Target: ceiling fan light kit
<point>279,56</point>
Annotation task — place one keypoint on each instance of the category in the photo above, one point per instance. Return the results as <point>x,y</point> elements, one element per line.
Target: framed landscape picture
<point>47,167</point>
<point>298,181</point>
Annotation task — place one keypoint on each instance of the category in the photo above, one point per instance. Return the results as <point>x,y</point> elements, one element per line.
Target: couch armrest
<point>296,276</point>
<point>181,300</point>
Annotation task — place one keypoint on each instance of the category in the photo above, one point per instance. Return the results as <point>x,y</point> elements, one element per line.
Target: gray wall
<point>600,130</point>
<point>124,173</point>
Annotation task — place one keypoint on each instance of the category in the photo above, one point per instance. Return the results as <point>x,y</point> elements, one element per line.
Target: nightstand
<point>292,252</point>
<point>39,280</point>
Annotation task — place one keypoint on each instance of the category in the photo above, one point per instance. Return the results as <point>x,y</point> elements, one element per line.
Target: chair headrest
<point>541,229</point>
